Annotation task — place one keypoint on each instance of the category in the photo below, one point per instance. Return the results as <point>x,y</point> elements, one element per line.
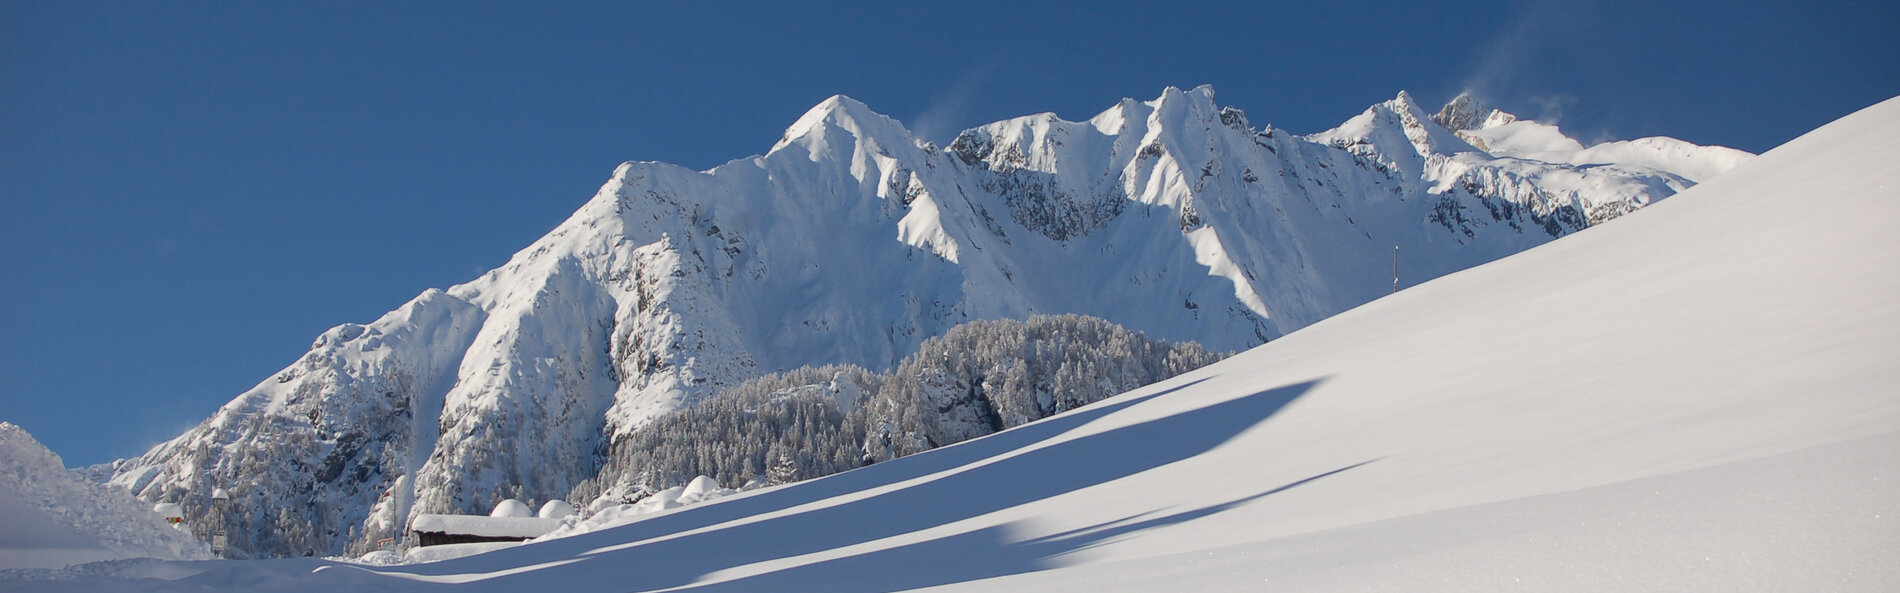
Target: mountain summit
<point>852,241</point>
<point>1464,112</point>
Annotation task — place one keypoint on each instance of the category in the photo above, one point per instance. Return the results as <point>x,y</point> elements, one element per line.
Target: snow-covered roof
<point>523,527</point>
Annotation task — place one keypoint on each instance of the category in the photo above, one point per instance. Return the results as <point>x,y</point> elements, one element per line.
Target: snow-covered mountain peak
<point>851,242</point>
<point>1424,133</point>
<point>1394,124</point>
<point>1185,111</point>
<point>1174,110</point>
<point>1403,102</point>
<point>1200,96</point>
<point>1464,112</point>
<point>1175,93</point>
<point>1504,135</point>
<point>840,120</point>
<point>1497,118</point>
<point>836,109</point>
<point>1396,132</point>
<point>1468,112</point>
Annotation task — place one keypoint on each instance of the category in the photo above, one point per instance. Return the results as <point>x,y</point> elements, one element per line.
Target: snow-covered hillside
<point>851,242</point>
<point>1698,398</point>
<point>51,517</point>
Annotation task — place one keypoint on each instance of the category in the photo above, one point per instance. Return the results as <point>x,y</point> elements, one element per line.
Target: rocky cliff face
<point>851,241</point>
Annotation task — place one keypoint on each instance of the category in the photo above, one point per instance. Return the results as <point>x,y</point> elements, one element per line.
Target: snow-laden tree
<point>976,379</point>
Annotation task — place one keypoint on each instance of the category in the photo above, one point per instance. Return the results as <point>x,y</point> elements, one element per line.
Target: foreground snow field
<point>1701,396</point>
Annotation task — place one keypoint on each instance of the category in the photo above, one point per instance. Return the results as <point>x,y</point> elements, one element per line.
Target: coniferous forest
<point>980,377</point>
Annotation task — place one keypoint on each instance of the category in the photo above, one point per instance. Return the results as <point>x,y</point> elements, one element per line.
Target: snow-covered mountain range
<point>1698,398</point>
<point>852,241</point>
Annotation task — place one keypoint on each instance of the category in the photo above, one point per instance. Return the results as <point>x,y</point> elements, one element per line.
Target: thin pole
<point>1395,269</point>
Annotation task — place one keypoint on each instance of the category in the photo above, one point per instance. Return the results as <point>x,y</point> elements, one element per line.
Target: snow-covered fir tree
<point>978,378</point>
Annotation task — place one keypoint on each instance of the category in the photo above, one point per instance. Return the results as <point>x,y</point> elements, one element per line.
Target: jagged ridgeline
<point>852,242</point>
<point>979,378</point>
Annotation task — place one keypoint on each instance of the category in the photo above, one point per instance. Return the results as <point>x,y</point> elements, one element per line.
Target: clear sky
<point>191,191</point>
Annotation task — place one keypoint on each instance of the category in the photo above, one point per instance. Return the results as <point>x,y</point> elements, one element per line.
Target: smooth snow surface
<point>1699,397</point>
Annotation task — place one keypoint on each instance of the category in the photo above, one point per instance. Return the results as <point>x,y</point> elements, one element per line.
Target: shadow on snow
<point>980,554</point>
<point>609,562</point>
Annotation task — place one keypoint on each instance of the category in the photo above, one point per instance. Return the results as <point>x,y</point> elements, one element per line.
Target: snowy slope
<point>1699,397</point>
<point>851,241</point>
<point>51,517</point>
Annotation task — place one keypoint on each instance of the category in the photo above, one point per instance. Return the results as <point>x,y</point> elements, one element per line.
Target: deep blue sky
<point>193,191</point>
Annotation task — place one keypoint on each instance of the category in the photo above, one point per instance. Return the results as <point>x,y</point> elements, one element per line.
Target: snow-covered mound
<point>851,242</point>
<point>51,517</point>
<point>511,508</point>
<point>1698,398</point>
